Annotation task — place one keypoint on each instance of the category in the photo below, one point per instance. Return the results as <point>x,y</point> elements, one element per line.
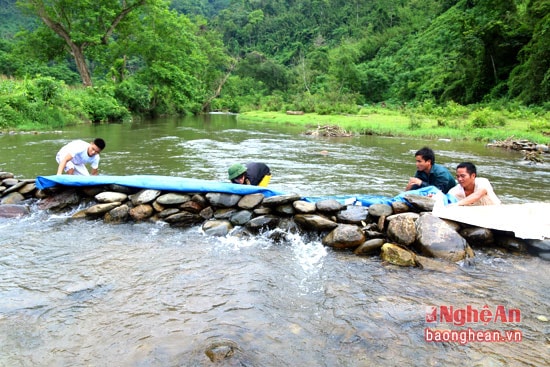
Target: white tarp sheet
<point>528,221</point>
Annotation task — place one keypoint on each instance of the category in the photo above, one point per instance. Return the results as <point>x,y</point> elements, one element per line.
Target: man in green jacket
<point>429,173</point>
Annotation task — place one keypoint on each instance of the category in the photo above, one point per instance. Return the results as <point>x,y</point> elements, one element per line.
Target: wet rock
<point>99,209</point>
<point>353,214</point>
<point>141,212</point>
<point>168,212</point>
<point>4,175</point>
<point>13,210</point>
<point>183,219</point>
<point>263,222</point>
<point>437,239</point>
<point>173,199</point>
<point>328,206</point>
<point>12,198</point>
<point>420,203</point>
<point>222,200</point>
<point>27,188</point>
<point>396,255</point>
<point>315,222</point>
<point>2,189</point>
<point>304,207</point>
<point>240,217</point>
<point>286,210</point>
<point>509,242</point>
<point>250,201</point>
<point>477,236</point>
<point>123,189</point>
<point>378,210</point>
<point>221,352</point>
<point>402,229</point>
<point>144,196</point>
<point>540,248</point>
<point>110,197</point>
<point>412,215</point>
<point>262,211</point>
<point>207,213</point>
<point>92,191</point>
<point>192,206</point>
<point>9,182</point>
<point>218,228</point>
<point>224,213</point>
<point>280,200</point>
<point>60,200</point>
<point>117,215</point>
<point>344,236</point>
<point>369,247</point>
<point>432,264</point>
<point>399,207</point>
<point>19,187</point>
<point>199,199</point>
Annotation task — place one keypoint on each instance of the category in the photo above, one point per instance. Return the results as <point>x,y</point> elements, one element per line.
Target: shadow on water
<point>76,292</point>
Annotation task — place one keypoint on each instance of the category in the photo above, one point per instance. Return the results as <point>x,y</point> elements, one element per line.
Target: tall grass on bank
<point>480,124</point>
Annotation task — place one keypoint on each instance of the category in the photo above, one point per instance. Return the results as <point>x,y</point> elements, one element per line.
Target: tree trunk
<point>81,65</point>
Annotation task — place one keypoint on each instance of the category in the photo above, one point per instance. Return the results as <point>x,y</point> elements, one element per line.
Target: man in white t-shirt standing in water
<point>73,157</point>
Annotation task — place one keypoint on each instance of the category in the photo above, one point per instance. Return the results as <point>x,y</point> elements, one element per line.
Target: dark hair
<point>427,154</point>
<point>100,143</point>
<point>470,167</point>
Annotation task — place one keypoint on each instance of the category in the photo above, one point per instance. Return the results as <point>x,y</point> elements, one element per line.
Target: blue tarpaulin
<point>166,183</point>
<point>180,184</point>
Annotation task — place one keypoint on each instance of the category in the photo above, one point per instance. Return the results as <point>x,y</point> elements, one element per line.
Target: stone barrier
<point>404,233</point>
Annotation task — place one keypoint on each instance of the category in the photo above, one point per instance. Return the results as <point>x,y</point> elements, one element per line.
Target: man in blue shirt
<point>429,173</point>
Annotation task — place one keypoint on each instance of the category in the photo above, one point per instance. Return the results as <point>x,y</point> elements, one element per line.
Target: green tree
<point>81,24</point>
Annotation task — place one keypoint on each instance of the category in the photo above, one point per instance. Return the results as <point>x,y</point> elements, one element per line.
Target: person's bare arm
<point>63,163</point>
<point>472,198</point>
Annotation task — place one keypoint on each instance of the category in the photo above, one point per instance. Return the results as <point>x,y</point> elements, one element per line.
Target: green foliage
<point>133,95</point>
<point>486,118</point>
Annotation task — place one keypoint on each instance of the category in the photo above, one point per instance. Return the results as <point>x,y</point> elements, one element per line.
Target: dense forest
<point>111,58</point>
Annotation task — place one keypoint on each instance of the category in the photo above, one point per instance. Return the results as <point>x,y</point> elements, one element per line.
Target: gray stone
<point>4,175</point>
<point>328,206</point>
<point>99,209</point>
<point>315,222</point>
<point>60,200</point>
<point>286,209</point>
<point>192,206</point>
<point>183,219</point>
<point>13,210</point>
<point>207,213</point>
<point>144,196</point>
<point>92,191</point>
<point>222,200</point>
<point>428,263</point>
<point>117,215</point>
<point>123,189</point>
<point>344,236</point>
<point>263,210</point>
<point>412,215</point>
<point>353,214</point>
<point>281,200</point>
<point>217,228</point>
<point>10,182</point>
<point>240,217</point>
<point>402,230</point>
<point>27,188</point>
<point>420,203</point>
<point>12,198</point>
<point>400,207</point>
<point>250,201</point>
<point>437,239</point>
<point>168,212</point>
<point>110,197</point>
<point>224,213</point>
<point>304,207</point>
<point>263,222</point>
<point>173,199</point>
<point>369,247</point>
<point>378,210</point>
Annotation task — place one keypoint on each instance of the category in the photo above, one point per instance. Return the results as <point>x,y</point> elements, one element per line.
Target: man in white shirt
<point>73,157</point>
<point>472,190</point>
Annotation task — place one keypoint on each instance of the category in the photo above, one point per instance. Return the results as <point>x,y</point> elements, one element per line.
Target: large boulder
<point>397,255</point>
<point>344,236</point>
<point>435,238</point>
<point>402,229</point>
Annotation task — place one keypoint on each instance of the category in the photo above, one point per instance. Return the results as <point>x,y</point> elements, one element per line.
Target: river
<point>81,293</point>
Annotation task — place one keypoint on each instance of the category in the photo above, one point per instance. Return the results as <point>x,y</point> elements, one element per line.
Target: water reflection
<point>85,293</point>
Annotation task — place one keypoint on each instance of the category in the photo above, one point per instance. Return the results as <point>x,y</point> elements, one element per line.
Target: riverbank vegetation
<point>470,69</point>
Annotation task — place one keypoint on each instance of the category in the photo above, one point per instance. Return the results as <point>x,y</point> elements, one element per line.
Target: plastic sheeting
<point>167,183</point>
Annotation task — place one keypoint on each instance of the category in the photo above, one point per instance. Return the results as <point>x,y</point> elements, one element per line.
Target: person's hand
<point>415,181</point>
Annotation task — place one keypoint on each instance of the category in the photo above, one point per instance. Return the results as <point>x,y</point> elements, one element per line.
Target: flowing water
<point>81,293</point>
